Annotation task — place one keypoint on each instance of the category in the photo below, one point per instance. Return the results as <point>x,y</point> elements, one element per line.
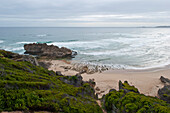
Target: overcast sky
<point>84,13</point>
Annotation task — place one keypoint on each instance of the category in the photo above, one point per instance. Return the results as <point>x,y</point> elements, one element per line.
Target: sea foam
<point>1,41</point>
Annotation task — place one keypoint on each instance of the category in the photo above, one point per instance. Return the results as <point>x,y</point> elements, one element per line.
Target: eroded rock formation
<point>48,51</point>
<point>164,93</point>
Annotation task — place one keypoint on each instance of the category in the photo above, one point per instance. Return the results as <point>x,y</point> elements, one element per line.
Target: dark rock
<point>102,91</point>
<point>97,89</point>
<point>74,53</point>
<point>18,57</point>
<point>30,59</point>
<point>45,65</point>
<point>127,88</point>
<point>48,51</point>
<point>92,83</point>
<point>73,80</point>
<point>165,80</point>
<point>79,80</point>
<point>164,93</point>
<point>96,96</point>
<point>112,90</point>
<point>120,85</point>
<point>58,73</point>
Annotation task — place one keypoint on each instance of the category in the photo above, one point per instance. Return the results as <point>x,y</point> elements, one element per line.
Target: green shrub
<point>24,86</point>
<point>132,102</point>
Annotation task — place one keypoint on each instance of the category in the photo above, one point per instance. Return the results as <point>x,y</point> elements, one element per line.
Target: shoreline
<point>147,81</point>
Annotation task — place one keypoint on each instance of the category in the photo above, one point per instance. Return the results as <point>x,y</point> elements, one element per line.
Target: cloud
<point>73,12</point>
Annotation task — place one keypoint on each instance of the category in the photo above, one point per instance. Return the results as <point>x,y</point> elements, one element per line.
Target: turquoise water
<point>129,48</point>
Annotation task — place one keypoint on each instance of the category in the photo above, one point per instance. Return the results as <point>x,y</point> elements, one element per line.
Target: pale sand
<point>57,65</point>
<point>146,81</point>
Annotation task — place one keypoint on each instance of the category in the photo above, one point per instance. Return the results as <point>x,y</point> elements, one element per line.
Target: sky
<point>84,13</point>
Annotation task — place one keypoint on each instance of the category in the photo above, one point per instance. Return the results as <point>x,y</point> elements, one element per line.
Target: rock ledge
<point>48,51</point>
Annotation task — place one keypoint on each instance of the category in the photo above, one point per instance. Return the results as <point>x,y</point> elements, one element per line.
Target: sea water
<point>122,48</point>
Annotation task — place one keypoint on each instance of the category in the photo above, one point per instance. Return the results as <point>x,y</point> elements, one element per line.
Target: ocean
<point>119,48</point>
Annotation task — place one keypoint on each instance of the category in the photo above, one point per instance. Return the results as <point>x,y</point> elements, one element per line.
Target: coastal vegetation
<point>27,87</point>
<point>24,86</point>
<point>129,100</point>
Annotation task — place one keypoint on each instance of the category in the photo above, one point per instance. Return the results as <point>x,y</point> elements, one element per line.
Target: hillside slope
<point>24,86</point>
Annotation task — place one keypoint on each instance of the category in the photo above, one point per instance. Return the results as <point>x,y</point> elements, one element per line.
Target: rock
<point>102,91</point>
<point>79,80</point>
<point>58,73</point>
<point>127,88</point>
<point>97,89</point>
<point>164,93</point>
<point>165,80</point>
<point>92,83</point>
<point>112,90</point>
<point>120,85</point>
<point>97,96</point>
<point>76,80</point>
<point>48,51</point>
<point>45,65</point>
<point>18,57</point>
<point>29,58</point>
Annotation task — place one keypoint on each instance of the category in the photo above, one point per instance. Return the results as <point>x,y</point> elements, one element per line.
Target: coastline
<point>146,80</point>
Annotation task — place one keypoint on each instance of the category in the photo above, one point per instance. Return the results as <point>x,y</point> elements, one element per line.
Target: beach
<point>147,81</point>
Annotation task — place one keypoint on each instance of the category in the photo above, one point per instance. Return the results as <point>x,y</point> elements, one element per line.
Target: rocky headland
<point>48,51</point>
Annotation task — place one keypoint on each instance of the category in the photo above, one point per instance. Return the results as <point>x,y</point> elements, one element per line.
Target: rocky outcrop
<point>164,80</point>
<point>77,81</point>
<point>48,51</point>
<point>18,57</point>
<point>164,93</point>
<point>127,88</point>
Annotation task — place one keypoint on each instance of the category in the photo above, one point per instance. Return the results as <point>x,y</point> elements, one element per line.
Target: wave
<point>1,41</point>
<point>104,59</point>
<point>126,67</point>
<point>34,42</point>
<point>24,42</point>
<point>69,41</point>
<point>98,53</point>
<point>45,42</point>
<point>41,35</point>
<point>13,49</point>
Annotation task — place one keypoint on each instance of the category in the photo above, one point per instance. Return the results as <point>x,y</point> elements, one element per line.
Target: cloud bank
<point>84,13</point>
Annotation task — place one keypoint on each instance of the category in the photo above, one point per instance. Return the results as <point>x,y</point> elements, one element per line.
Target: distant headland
<point>162,26</point>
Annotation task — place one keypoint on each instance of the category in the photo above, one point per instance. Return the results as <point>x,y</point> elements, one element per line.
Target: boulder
<point>48,51</point>
<point>76,80</point>
<point>58,73</point>
<point>164,93</point>
<point>165,80</point>
<point>127,88</point>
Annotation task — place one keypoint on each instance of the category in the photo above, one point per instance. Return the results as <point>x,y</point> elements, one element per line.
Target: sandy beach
<point>147,81</point>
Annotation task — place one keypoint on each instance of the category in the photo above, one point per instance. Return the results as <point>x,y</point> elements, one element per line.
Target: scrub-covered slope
<point>129,100</point>
<point>24,86</point>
